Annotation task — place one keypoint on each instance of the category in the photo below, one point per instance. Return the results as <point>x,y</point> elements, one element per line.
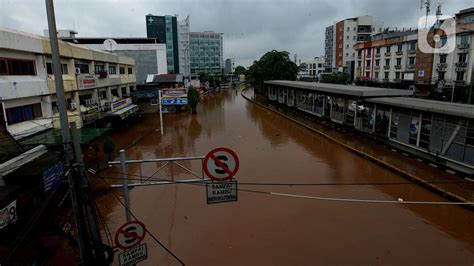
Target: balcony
<point>359,57</point>
<point>367,67</point>
<point>460,82</point>
<point>377,55</point>
<point>386,67</point>
<point>442,65</point>
<point>399,53</point>
<point>463,46</point>
<point>376,67</point>
<point>388,54</point>
<point>398,66</point>
<point>412,51</point>
<point>461,64</point>
<point>102,74</point>
<point>411,66</point>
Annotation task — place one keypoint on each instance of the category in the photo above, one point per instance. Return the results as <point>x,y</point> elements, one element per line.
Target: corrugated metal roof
<point>346,90</point>
<point>456,109</point>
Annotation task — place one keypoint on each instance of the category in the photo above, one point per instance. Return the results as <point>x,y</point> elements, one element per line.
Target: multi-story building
<point>390,57</point>
<point>183,47</point>
<point>345,34</point>
<point>148,53</point>
<point>92,80</point>
<point>207,52</point>
<point>329,48</point>
<point>455,69</point>
<point>165,29</point>
<point>229,66</point>
<point>313,68</point>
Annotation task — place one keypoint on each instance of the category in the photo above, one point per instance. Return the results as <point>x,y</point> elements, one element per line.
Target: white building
<point>229,67</point>
<point>149,55</point>
<point>314,67</point>
<point>343,35</point>
<point>92,80</point>
<point>183,47</point>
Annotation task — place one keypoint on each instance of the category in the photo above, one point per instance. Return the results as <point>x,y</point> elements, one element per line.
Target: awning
<point>125,112</point>
<point>54,137</point>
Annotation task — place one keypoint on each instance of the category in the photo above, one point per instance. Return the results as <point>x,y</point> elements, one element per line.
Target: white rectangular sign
<point>8,215</point>
<point>221,192</point>
<point>133,256</point>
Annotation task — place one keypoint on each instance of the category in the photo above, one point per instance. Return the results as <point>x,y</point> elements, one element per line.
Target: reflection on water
<point>260,229</point>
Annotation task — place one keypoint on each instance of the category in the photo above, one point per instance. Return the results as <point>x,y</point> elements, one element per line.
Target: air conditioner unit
<point>72,106</point>
<point>78,71</point>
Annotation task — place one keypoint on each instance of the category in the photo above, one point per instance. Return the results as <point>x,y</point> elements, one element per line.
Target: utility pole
<point>61,102</point>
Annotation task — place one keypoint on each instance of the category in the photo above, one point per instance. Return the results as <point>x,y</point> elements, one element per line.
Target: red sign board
<point>221,164</point>
<point>130,235</point>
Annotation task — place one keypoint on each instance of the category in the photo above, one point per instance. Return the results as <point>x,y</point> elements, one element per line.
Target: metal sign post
<point>161,113</point>
<point>125,185</point>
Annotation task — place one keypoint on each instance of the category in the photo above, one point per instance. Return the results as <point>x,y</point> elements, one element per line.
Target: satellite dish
<point>110,45</point>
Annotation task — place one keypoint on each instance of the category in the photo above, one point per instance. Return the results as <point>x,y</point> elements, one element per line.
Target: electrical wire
<point>135,217</point>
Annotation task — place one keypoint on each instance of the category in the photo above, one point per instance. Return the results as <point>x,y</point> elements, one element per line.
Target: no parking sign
<point>221,164</point>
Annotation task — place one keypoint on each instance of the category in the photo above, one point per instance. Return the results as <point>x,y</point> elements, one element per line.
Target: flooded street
<point>262,229</point>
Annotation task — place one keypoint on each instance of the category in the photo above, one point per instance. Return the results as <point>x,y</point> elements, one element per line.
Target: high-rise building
<point>183,47</point>
<point>341,38</point>
<point>229,66</point>
<point>165,29</point>
<point>207,52</point>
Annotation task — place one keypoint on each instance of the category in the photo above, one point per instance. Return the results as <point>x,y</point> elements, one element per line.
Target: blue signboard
<point>174,101</point>
<point>167,101</point>
<point>53,176</point>
<point>181,101</point>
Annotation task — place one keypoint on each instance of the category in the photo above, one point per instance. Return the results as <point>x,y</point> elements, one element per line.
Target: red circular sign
<point>130,235</point>
<point>221,164</point>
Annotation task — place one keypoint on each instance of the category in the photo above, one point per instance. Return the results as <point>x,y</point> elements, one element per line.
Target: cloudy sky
<point>250,27</point>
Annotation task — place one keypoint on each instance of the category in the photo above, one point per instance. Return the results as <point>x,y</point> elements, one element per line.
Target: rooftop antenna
<point>427,5</point>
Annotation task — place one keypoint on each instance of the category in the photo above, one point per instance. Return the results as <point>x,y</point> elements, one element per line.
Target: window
<point>114,92</point>
<point>359,52</point>
<point>399,61</point>
<point>378,50</point>
<point>367,63</point>
<point>376,75</point>
<point>413,46</point>
<point>3,66</point>
<point>400,47</point>
<point>347,37</point>
<point>348,28</point>
<point>17,67</point>
<point>397,75</point>
<point>462,58</point>
<point>23,113</point>
<point>130,71</point>
<point>369,52</point>
<point>347,54</point>
<point>122,70</point>
<point>353,37</point>
<point>441,75</point>
<point>387,49</point>
<point>444,40</point>
<point>460,76</point>
<point>347,45</point>
<point>465,39</point>
<point>377,62</point>
<point>99,68</point>
<point>124,91</point>
<point>387,62</point>
<point>469,19</point>
<point>442,58</point>
<point>367,74</point>
<point>103,95</point>
<point>411,60</point>
<point>359,63</point>
<point>386,74</point>
<point>49,69</point>
<point>84,68</point>
<point>112,70</point>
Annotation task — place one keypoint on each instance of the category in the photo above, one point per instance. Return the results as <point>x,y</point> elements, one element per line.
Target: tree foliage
<point>193,98</point>
<point>336,78</point>
<point>274,65</point>
<point>239,70</point>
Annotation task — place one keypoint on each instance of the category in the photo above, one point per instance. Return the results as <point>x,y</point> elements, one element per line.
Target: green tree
<point>336,78</point>
<point>274,65</point>
<point>203,77</point>
<point>239,70</point>
<point>193,99</point>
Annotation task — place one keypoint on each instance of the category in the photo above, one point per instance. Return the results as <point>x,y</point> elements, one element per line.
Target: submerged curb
<point>412,177</point>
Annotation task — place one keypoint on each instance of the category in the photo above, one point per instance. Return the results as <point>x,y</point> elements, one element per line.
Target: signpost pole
<point>125,185</point>
<point>161,113</point>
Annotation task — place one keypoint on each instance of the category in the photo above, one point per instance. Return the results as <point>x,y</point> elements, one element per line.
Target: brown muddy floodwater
<point>261,229</point>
